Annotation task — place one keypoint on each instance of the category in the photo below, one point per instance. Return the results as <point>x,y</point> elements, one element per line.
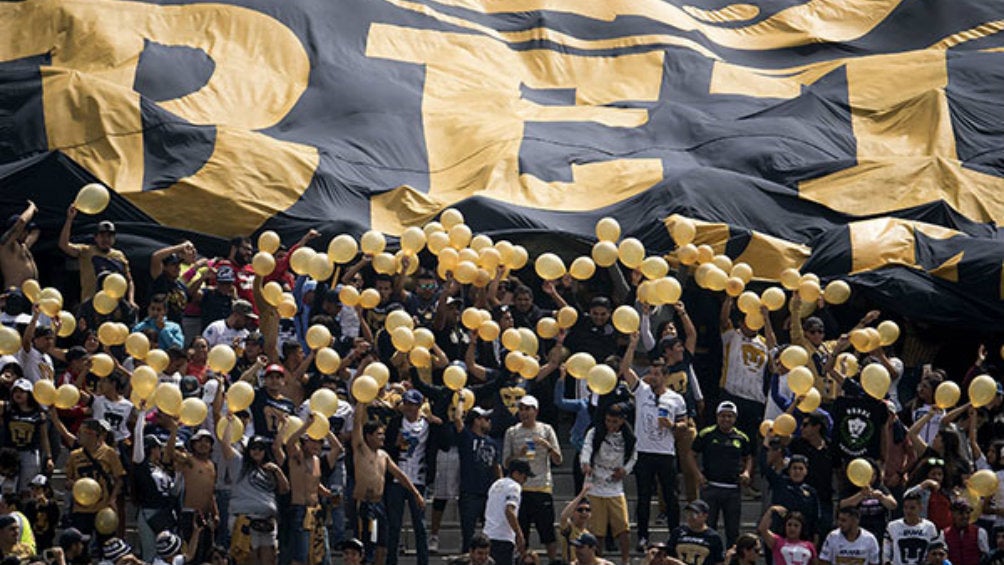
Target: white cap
<point>529,400</point>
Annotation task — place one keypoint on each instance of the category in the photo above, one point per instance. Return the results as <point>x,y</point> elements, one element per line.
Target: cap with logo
<point>727,406</point>
<point>105,226</point>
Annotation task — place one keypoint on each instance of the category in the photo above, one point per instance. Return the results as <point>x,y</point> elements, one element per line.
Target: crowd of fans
<point>252,486</point>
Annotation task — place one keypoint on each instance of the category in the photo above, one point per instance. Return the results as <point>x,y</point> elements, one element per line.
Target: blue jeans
<point>472,509</point>
<point>336,484</point>
<point>395,497</point>
<point>223,504</point>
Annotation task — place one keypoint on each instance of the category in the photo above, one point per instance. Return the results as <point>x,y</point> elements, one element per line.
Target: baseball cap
<point>225,274</point>
<point>97,425</point>
<point>481,412</point>
<point>201,434</point>
<point>115,548</point>
<point>455,300</point>
<point>244,308</point>
<point>275,368</point>
<point>150,441</point>
<point>529,400</point>
<point>961,504</point>
<point>698,506</point>
<point>39,481</point>
<point>352,544</point>
<point>106,226</point>
<point>171,259</point>
<point>521,466</point>
<point>23,384</point>
<point>71,536</point>
<point>43,331</point>
<point>585,539</point>
<point>935,544</point>
<point>75,352</point>
<point>727,406</point>
<point>413,396</point>
<point>189,386</point>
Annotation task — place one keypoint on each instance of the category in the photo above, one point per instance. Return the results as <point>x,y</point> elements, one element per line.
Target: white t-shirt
<point>772,410</point>
<point>837,550</point>
<point>115,413</point>
<point>30,361</point>
<point>743,360</point>
<point>604,463</point>
<point>930,430</point>
<point>218,333</point>
<point>905,544</point>
<point>503,492</point>
<point>652,438</point>
<point>413,440</point>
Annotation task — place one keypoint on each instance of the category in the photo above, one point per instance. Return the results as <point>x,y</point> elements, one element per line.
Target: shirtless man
<point>199,472</point>
<point>306,489</point>
<point>16,259</point>
<point>371,464</point>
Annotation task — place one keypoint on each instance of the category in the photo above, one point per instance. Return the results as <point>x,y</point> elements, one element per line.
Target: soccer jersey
<point>696,548</point>
<point>786,552</point>
<point>504,492</point>
<point>905,544</point>
<point>743,362</point>
<point>838,550</point>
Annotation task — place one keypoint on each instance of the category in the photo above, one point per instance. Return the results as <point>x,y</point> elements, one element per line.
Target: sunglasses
<point>936,461</point>
<point>427,286</point>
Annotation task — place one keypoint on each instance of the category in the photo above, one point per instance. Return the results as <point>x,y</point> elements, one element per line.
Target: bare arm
<point>551,291</point>
<point>566,512</point>
<point>71,249</point>
<point>470,359</point>
<point>768,329</point>
<point>398,474</point>
<point>763,528</point>
<point>724,317</point>
<point>336,448</point>
<point>355,268</point>
<point>688,327</point>
<point>17,229</point>
<point>225,446</point>
<point>157,257</point>
<point>29,332</point>
<point>630,378</point>
<point>919,445</point>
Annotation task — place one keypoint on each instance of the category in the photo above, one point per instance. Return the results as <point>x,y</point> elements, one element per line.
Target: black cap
<point>189,386</point>
<point>698,506</point>
<point>105,226</point>
<point>97,425</point>
<point>175,352</point>
<point>151,441</point>
<point>172,259</point>
<point>521,466</point>
<point>71,536</point>
<point>75,352</point>
<point>43,331</point>
<point>585,539</point>
<point>353,544</point>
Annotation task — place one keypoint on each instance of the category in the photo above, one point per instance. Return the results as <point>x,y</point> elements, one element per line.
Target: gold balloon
<point>157,359</point>
<point>888,332</point>
<point>293,423</point>
<point>506,250</point>
<point>582,268</point>
<point>465,272</point>
<point>809,290</point>
<point>324,401</point>
<point>874,339</point>
<point>626,319</point>
<point>748,302</point>
<point>549,267</point>
<point>137,345</point>
<point>413,240</point>
<point>468,254</point>
<point>263,263</point>
<point>471,318</point>
<point>369,298</point>
<point>424,338</point>
<point>982,390</point>
<point>272,293</point>
<point>810,277</point>
<point>106,521</point>
<point>349,296</point>
<point>529,368</point>
<point>667,290</point>
<point>92,199</point>
<point>800,380</point>
<point>384,264</point>
<point>67,324</point>
<point>983,482</point>
<point>222,358</point>
<point>605,253</point>
<point>811,401</point>
<point>773,298</point>
<point>579,364</point>
<point>318,336</point>
<point>51,293</point>
<point>765,427</point>
<point>705,253</point>
<point>372,242</point>
<point>947,395</point>
<point>601,379</point>
<point>654,268</point>
<point>115,285</point>
<point>631,253</point>
<point>240,395</point>
<point>300,260</point>
<point>687,254</point>
<point>365,389</point>
<point>567,316</point>
<point>269,242</point>
<point>481,242</point>
<point>399,318</point>
<point>31,290</point>
<point>837,292</point>
<point>754,320</point>
<point>875,380</point>
<point>723,262</point>
<point>67,396</point>
<point>514,361</point>
<point>519,258</point>
<point>784,425</point>
<point>402,338</point>
<point>236,430</point>
<point>607,229</point>
<point>50,307</point>
<point>790,278</point>
<point>327,360</point>
<point>468,396</point>
<point>108,334</point>
<point>528,343</point>
<point>86,491</point>
<point>343,248</point>
<point>547,328</point>
<point>742,271</point>
<point>489,259</point>
<point>860,472</point>
<point>438,242</point>
<point>734,286</point>
<point>847,364</point>
<point>859,339</point>
<point>44,392</point>
<point>460,236</point>
<point>320,267</point>
<point>511,339</point>
<point>104,303</point>
<point>193,411</point>
<point>10,341</point>
<point>455,377</point>
<point>683,231</point>
<point>488,331</point>
<point>451,217</point>
<point>379,372</point>
<point>319,428</point>
<point>144,382</point>
<point>794,356</point>
<point>716,279</point>
<point>167,398</point>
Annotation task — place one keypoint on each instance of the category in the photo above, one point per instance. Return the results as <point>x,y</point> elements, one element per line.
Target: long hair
<point>249,464</point>
<point>600,434</point>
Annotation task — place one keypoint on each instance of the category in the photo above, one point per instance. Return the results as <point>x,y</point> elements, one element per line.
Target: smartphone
<point>49,555</point>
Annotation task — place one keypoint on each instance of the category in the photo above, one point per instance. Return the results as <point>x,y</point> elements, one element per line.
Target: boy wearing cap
<point>199,472</point>
<point>501,513</point>
<point>537,444</point>
<point>695,543</point>
<point>726,460</point>
<point>480,465</point>
<point>586,547</point>
<point>407,441</point>
<point>37,343</point>
<point>94,460</point>
<point>233,328</point>
<point>98,258</point>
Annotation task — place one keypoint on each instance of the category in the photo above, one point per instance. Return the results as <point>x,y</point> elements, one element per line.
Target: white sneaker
<point>434,544</point>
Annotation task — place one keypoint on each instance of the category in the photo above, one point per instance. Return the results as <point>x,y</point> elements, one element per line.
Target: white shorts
<point>447,474</point>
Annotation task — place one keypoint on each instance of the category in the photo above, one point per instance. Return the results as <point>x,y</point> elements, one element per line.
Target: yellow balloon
<point>384,264</point>
<point>193,411</point>
<point>167,398</point>
<point>794,356</point>
<point>810,277</point>
<point>379,372</point>
<point>300,259</point>
<point>471,318</point>
<point>369,298</point>
<point>413,240</point>
<point>742,271</point>
<point>888,332</point>
<point>240,395</point>
<point>343,248</point>
<point>754,320</point>
<point>320,267</point>
<point>269,242</point>
<point>438,242</point>
<point>103,303</point>
<point>983,483</point>
<point>607,229</point>
<point>67,324</point>
<point>631,253</point>
<point>567,316</point>
<point>765,427</point>
<point>272,293</point>
<point>511,339</point>
<point>547,328</point>
<point>800,380</point>
<point>318,336</point>
<point>144,382</point>
<point>837,292</point>
<point>519,258</point>
<point>349,296</point>
<point>365,389</point>
<point>236,430</point>
<point>579,365</point>
<point>790,278</point>
<point>860,472</point>
<point>106,521</point>
<point>466,272</point>
<point>601,379</point>
<point>773,298</point>
<point>398,318</point>
<point>50,307</point>
<point>455,377</point>
<point>528,343</point>
<point>582,268</point>
<point>875,380</point>
<point>506,250</point>
<point>605,253</point>
<point>809,290</point>
<point>468,396</point>
<point>654,268</point>
<point>115,285</point>
<point>44,392</point>
<point>716,279</point>
<point>489,259</point>
<point>460,236</point>
<point>946,395</point>
<point>86,491</point>
<point>319,428</point>
<point>748,302</point>
<point>549,267</point>
<point>402,338</point>
<point>723,262</point>
<point>874,339</point>
<point>51,293</point>
<point>480,242</point>
<point>683,231</point>
<point>811,401</point>
<point>859,339</point>
<point>292,424</point>
<point>705,253</point>
<point>734,286</point>
<point>667,290</point>
<point>982,390</point>
<point>67,396</point>
<point>514,361</point>
<point>626,319</point>
<point>157,359</point>
<point>10,341</point>
<point>451,217</point>
<point>92,199</point>
<point>108,334</point>
<point>31,290</point>
<point>222,358</point>
<point>488,331</point>
<point>263,263</point>
<point>847,364</point>
<point>687,254</point>
<point>529,368</point>
<point>784,425</point>
<point>137,345</point>
<point>372,242</point>
<point>327,360</point>
<point>425,338</point>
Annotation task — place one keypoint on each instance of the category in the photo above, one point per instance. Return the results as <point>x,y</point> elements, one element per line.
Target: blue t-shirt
<point>478,457</point>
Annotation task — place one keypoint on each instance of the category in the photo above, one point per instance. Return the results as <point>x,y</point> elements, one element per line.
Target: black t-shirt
<point>43,519</point>
<point>722,454</point>
<point>215,306</point>
<point>265,412</point>
<point>177,295</point>
<point>478,457</point>
<point>874,516</point>
<point>598,341</point>
<point>858,424</point>
<point>821,462</point>
<point>679,377</point>
<point>696,548</point>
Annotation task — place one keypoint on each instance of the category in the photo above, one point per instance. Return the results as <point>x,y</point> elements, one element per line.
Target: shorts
<point>372,528</point>
<point>608,510</point>
<point>447,483</point>
<point>258,538</point>
<point>537,508</point>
